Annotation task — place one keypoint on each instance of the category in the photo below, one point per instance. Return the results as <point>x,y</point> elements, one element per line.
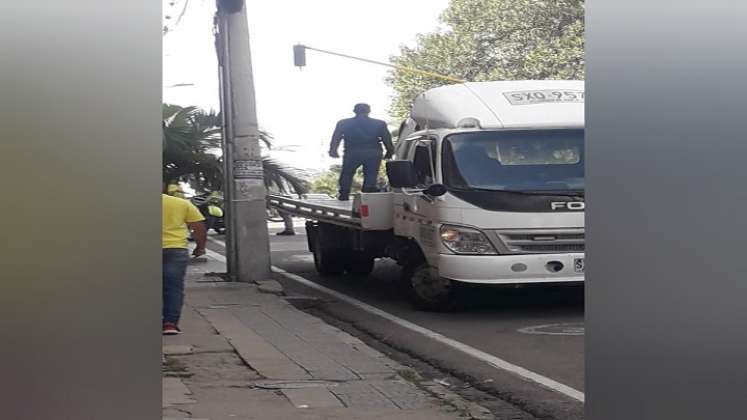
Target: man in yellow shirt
<point>178,217</point>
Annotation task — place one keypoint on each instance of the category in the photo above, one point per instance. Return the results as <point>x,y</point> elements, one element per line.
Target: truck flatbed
<point>327,210</point>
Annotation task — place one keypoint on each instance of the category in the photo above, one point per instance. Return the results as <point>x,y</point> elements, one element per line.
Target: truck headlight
<point>464,240</point>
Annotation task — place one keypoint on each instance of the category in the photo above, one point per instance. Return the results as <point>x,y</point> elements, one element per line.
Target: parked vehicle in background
<point>211,207</point>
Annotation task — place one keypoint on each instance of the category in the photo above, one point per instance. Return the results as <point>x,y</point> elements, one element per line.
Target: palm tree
<point>187,146</point>
<point>191,153</point>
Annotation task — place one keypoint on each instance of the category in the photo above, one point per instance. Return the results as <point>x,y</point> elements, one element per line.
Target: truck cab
<point>487,185</point>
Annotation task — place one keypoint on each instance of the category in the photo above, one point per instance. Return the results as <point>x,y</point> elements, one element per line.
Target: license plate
<point>526,97</point>
<point>578,265</point>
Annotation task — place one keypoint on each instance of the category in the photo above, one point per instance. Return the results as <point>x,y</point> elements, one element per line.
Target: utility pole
<point>248,248</point>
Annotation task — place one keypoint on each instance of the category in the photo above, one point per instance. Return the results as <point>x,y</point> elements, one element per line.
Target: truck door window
<point>422,162</point>
<point>404,152</point>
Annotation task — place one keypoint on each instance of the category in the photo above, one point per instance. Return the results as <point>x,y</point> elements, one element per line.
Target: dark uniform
<point>363,139</point>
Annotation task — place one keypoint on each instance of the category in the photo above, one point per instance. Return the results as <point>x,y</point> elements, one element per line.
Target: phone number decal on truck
<point>527,97</point>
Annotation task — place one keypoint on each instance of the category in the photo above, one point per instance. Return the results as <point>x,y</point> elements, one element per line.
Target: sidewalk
<point>246,354</point>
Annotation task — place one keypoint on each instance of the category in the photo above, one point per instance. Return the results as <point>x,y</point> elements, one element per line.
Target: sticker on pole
<point>247,169</point>
<point>528,97</point>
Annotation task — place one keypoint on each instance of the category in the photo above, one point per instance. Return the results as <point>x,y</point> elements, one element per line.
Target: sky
<point>300,107</point>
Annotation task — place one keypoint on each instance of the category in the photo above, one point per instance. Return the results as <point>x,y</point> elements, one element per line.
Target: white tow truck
<point>486,187</point>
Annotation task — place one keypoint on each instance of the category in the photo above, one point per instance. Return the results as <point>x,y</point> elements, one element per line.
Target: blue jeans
<point>174,268</point>
<point>351,161</point>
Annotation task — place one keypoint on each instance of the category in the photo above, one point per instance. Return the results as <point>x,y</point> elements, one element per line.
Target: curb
<point>471,410</point>
<point>271,287</point>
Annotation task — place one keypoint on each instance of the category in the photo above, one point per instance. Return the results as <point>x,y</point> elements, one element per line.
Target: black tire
<point>359,264</point>
<point>328,261</point>
<point>429,293</point>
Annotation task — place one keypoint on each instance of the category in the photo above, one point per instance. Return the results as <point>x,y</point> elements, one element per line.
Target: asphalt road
<point>538,329</point>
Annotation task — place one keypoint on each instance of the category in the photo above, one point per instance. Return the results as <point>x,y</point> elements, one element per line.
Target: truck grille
<point>540,241</point>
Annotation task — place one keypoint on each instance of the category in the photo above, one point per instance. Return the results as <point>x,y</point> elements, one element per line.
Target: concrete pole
<point>227,146</point>
<point>249,255</point>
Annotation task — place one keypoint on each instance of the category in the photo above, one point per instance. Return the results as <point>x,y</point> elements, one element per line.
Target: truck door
<point>401,200</point>
<point>418,213</point>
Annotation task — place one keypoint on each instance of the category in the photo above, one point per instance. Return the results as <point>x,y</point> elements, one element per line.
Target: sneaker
<point>286,233</point>
<point>169,328</point>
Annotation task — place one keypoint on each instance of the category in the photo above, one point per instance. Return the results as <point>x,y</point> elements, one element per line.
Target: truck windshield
<point>526,160</point>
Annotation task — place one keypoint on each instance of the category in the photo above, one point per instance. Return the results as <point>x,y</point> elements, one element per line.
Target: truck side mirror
<point>401,174</point>
<point>435,190</point>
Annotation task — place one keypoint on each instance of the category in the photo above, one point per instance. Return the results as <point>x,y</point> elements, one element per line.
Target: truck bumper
<point>509,269</point>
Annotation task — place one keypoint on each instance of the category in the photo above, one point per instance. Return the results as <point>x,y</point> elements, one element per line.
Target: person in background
<point>179,216</point>
<point>288,221</point>
<point>175,190</point>
<point>363,138</point>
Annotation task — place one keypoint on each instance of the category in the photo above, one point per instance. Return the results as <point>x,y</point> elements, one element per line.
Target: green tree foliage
<point>191,153</point>
<point>485,40</point>
<point>327,181</point>
<point>189,136</point>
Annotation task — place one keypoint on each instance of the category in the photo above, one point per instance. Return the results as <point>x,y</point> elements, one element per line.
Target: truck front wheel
<point>430,292</point>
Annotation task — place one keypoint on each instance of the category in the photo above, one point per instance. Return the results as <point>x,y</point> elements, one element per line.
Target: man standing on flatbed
<point>363,137</point>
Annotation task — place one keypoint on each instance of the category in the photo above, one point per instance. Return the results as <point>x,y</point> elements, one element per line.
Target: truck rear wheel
<point>329,262</point>
<point>359,263</point>
<point>428,292</point>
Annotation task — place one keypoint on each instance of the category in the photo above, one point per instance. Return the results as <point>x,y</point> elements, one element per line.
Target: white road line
<point>464,348</point>
<point>217,241</point>
<point>576,328</point>
<point>214,254</point>
<point>454,344</point>
<point>276,247</point>
<point>276,225</point>
<point>289,247</point>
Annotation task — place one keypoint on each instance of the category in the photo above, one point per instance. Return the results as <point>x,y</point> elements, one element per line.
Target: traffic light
<point>231,6</point>
<point>299,55</point>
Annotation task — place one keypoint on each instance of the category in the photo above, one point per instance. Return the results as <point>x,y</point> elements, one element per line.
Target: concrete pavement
<point>539,328</point>
<point>247,353</point>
